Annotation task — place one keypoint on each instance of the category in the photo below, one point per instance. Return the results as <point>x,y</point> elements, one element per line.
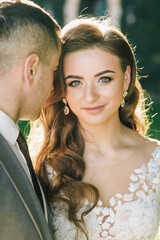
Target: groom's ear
<point>30,68</point>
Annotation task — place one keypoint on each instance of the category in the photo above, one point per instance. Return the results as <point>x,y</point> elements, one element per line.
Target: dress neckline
<point>128,197</point>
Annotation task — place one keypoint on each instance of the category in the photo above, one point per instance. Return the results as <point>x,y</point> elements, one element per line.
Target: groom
<point>29,54</point>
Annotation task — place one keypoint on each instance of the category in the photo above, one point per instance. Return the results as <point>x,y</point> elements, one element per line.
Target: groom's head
<point>25,28</point>
<point>29,53</point>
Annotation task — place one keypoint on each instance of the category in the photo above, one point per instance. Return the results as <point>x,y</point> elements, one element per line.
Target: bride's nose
<point>91,93</point>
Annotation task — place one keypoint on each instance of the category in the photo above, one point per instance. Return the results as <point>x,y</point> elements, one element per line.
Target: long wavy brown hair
<point>63,146</point>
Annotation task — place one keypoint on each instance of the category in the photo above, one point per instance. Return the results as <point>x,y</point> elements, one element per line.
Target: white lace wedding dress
<point>126,219</point>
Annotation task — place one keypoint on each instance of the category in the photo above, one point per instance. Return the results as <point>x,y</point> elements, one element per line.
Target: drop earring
<point>66,109</point>
<point>123,99</point>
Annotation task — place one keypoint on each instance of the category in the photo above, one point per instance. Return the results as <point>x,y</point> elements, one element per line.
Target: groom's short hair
<point>25,28</point>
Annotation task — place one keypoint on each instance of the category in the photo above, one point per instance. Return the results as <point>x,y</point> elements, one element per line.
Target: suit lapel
<point>24,189</point>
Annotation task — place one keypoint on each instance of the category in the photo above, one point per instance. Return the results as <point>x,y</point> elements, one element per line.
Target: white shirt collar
<point>8,128</point>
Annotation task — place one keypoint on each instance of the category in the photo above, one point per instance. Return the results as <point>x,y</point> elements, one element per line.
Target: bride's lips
<point>95,109</point>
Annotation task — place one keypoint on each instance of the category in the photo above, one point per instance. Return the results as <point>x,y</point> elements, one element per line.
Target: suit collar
<point>23,188</point>
<point>8,128</point>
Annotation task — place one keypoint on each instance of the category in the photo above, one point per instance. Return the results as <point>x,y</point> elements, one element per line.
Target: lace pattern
<point>126,218</point>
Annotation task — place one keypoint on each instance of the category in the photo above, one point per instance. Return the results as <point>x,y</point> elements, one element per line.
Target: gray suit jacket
<point>21,216</point>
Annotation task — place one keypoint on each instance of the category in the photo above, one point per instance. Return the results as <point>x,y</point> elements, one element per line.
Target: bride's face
<point>95,84</point>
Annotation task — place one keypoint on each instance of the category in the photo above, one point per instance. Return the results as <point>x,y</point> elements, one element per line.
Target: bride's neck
<point>107,134</point>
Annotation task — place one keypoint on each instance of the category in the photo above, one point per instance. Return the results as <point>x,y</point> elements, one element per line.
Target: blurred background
<point>140,21</point>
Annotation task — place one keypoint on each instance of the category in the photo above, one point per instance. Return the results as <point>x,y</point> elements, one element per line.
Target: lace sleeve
<point>154,170</point>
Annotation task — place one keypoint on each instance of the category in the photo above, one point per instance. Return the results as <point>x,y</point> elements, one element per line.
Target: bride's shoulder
<point>151,145</point>
<point>152,142</point>
<point>144,142</point>
<point>146,147</point>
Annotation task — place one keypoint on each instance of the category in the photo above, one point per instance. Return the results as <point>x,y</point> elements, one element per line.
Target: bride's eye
<point>74,83</point>
<point>105,79</point>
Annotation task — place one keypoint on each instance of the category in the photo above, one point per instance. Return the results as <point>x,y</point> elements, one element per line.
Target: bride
<point>100,172</point>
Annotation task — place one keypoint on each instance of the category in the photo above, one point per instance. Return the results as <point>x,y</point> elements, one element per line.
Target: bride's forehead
<point>91,54</point>
<point>94,60</point>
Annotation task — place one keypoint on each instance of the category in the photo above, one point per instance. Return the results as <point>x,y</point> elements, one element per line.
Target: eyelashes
<point>105,79</point>
<point>76,83</point>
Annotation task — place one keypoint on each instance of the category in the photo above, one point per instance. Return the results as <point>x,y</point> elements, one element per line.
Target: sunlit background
<point>140,21</point>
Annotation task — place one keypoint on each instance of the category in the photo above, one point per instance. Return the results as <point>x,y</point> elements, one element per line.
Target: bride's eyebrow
<point>73,76</point>
<point>96,75</point>
<point>105,71</point>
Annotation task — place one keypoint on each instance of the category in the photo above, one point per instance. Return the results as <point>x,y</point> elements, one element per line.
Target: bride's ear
<point>127,78</point>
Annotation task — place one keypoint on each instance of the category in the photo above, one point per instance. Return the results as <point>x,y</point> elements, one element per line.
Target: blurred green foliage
<point>141,22</point>
<point>154,131</point>
<point>24,127</point>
